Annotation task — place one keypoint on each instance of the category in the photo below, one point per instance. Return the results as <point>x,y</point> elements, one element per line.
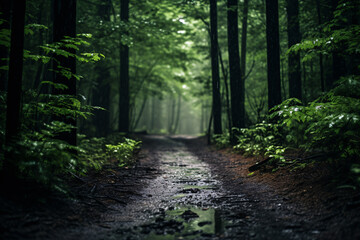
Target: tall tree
<point>101,98</point>
<point>5,16</point>
<point>65,25</point>
<point>294,37</point>
<point>124,99</point>
<point>236,80</point>
<point>14,87</point>
<point>215,68</point>
<point>101,93</point>
<point>244,38</point>
<point>273,53</point>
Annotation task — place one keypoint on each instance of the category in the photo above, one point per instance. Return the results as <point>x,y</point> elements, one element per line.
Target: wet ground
<point>186,200</point>
<point>180,189</point>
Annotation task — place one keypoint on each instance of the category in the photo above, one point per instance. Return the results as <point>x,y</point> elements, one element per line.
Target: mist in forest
<point>170,116</point>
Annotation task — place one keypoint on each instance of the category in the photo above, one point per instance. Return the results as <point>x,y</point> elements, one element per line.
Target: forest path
<point>193,196</point>
<point>180,189</point>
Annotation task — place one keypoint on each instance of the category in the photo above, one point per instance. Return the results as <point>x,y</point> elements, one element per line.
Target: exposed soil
<point>183,189</point>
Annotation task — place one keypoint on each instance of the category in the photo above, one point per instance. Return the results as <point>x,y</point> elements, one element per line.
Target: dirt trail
<point>180,189</point>
<point>192,199</point>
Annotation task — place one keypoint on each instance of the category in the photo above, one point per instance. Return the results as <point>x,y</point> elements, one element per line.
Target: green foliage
<point>261,139</point>
<point>42,157</point>
<point>93,152</point>
<point>330,125</point>
<point>123,151</point>
<point>39,153</point>
<point>222,140</point>
<point>340,34</point>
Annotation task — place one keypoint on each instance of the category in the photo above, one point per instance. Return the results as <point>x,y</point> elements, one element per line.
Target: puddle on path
<point>179,203</point>
<point>186,222</point>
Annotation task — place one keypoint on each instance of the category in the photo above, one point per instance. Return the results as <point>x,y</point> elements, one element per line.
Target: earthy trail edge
<point>181,189</point>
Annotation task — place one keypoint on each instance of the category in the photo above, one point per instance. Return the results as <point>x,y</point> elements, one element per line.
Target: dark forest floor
<point>183,189</point>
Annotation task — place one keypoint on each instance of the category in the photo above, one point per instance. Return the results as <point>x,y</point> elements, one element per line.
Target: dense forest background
<point>74,72</point>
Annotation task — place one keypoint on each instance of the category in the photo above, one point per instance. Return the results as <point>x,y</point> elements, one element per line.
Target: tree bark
<point>13,124</point>
<point>228,108</point>
<point>100,98</point>
<point>65,25</point>
<point>244,38</point>
<point>124,99</point>
<point>236,81</point>
<point>177,119</point>
<point>215,68</point>
<point>136,123</point>
<point>273,53</point>
<point>294,37</point>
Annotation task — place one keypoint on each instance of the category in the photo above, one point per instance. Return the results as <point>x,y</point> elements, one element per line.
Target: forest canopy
<point>273,78</point>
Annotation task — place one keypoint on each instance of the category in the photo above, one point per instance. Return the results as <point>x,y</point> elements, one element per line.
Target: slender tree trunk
<point>244,38</point>
<point>236,81</point>
<point>273,53</point>
<point>153,105</point>
<point>202,118</point>
<point>228,108</point>
<point>100,98</point>
<point>13,124</point>
<point>177,119</point>
<point>124,100</point>
<point>294,37</point>
<point>101,94</point>
<point>140,112</point>
<point>215,68</point>
<point>209,126</point>
<point>65,25</point>
<point>5,6</point>
<point>171,115</point>
<point>40,65</point>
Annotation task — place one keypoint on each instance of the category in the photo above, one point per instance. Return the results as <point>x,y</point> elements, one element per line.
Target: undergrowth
<point>38,153</point>
<point>329,126</point>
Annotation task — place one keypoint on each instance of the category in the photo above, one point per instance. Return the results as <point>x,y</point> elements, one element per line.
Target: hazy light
<point>184,86</point>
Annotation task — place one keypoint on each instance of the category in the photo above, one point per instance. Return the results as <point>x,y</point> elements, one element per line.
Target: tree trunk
<point>215,68</point>
<point>273,53</point>
<point>171,114</point>
<point>101,94</point>
<point>294,37</point>
<point>153,107</point>
<point>100,98</point>
<point>136,123</point>
<point>228,108</point>
<point>244,38</point>
<point>65,25</point>
<point>124,99</point>
<point>5,6</point>
<point>236,81</point>
<point>13,124</point>
<point>177,119</point>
